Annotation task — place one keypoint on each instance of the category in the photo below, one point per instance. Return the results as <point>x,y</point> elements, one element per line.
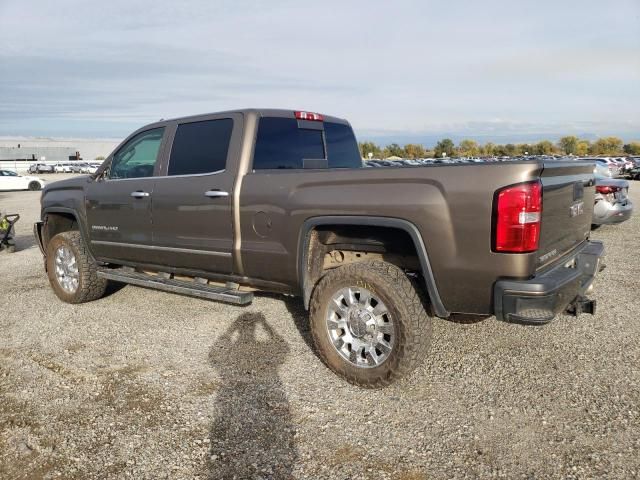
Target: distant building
<point>54,149</point>
<point>32,154</point>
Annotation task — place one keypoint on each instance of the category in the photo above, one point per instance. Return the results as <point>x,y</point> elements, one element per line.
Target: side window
<point>342,148</point>
<point>137,158</point>
<point>281,144</point>
<point>200,147</point>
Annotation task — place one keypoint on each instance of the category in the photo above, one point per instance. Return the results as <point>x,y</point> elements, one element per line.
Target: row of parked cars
<point>617,166</point>
<point>70,167</point>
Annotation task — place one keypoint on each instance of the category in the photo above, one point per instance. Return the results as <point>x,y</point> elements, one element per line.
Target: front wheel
<point>72,271</point>
<point>369,323</point>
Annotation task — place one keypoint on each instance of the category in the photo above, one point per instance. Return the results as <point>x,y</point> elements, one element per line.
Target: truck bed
<point>450,204</point>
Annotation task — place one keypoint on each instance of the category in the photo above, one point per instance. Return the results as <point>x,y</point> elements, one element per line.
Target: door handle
<point>139,194</point>
<point>216,193</point>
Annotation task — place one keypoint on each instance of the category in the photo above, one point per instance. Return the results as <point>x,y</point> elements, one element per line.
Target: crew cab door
<point>193,197</point>
<point>118,203</point>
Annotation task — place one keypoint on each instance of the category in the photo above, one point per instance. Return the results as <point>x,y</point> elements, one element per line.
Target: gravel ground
<point>145,384</point>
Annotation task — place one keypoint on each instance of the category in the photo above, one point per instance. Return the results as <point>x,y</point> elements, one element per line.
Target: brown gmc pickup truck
<point>218,206</point>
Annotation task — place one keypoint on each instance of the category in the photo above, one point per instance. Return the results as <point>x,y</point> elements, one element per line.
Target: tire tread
<point>91,286</point>
<point>413,340</point>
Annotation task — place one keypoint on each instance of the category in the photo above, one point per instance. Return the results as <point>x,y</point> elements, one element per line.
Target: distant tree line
<point>569,145</point>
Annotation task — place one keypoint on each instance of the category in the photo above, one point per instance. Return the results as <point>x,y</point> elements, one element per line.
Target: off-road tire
<point>34,186</point>
<point>403,300</point>
<point>90,286</point>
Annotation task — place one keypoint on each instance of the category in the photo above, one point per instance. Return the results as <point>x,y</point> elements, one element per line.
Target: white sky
<point>400,69</point>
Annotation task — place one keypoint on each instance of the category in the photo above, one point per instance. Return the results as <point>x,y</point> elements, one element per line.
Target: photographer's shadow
<point>252,435</point>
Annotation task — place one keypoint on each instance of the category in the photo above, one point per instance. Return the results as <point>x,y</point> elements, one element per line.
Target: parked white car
<point>62,168</point>
<point>92,168</point>
<point>12,181</point>
<point>87,168</point>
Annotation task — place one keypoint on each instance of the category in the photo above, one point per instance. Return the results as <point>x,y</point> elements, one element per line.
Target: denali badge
<point>577,209</point>
<point>106,228</point>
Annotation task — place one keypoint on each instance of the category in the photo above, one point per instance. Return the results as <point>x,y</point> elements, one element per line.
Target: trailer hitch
<point>581,305</point>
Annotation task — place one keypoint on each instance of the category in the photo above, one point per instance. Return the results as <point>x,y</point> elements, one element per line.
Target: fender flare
<point>427,272</point>
<point>81,226</point>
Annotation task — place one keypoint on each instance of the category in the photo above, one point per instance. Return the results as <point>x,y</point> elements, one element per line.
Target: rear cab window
<point>286,143</point>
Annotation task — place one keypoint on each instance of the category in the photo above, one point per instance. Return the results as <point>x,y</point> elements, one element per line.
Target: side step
<point>193,289</point>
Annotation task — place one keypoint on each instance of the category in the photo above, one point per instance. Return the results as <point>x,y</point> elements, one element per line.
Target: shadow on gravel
<point>252,436</point>
<point>299,315</point>
<point>301,319</point>
<point>24,242</point>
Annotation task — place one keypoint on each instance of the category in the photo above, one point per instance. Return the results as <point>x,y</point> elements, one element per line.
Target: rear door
<point>118,204</point>
<point>193,198</point>
<point>567,207</point>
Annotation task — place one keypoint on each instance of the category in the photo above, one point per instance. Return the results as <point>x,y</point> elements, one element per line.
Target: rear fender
<point>427,272</point>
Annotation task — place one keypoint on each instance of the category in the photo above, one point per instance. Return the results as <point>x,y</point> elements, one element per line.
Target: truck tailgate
<point>567,208</point>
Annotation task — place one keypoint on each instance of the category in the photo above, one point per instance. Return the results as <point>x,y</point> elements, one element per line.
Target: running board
<point>194,289</point>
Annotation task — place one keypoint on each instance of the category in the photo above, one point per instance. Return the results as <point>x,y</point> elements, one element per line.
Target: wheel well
<point>332,246</point>
<point>55,223</point>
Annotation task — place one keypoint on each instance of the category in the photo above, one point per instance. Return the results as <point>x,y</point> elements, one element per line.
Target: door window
<point>200,147</point>
<point>137,158</point>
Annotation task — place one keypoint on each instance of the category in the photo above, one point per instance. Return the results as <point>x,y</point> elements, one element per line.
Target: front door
<point>193,199</point>
<point>118,204</point>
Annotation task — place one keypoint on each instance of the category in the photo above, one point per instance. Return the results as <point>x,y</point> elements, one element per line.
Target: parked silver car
<point>40,168</point>
<point>612,204</point>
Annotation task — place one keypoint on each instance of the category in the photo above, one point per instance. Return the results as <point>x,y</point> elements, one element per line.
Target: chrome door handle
<point>216,193</point>
<point>139,194</point>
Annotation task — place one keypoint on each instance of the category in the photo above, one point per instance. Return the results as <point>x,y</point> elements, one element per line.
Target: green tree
<point>488,149</point>
<point>632,148</point>
<point>393,150</point>
<point>511,149</point>
<point>412,150</point>
<point>525,149</point>
<point>369,147</point>
<point>500,151</point>
<point>568,144</point>
<point>606,146</point>
<point>582,148</point>
<point>468,148</point>
<point>445,146</point>
<point>545,147</point>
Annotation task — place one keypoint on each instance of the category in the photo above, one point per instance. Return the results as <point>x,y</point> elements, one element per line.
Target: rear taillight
<point>605,189</point>
<point>518,210</point>
<point>314,117</point>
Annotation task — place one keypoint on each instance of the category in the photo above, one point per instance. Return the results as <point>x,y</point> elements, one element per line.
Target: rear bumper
<point>616,213</point>
<point>539,299</point>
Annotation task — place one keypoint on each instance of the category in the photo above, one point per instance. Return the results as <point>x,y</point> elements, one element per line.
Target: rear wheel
<point>368,323</point>
<point>34,186</point>
<point>71,270</point>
